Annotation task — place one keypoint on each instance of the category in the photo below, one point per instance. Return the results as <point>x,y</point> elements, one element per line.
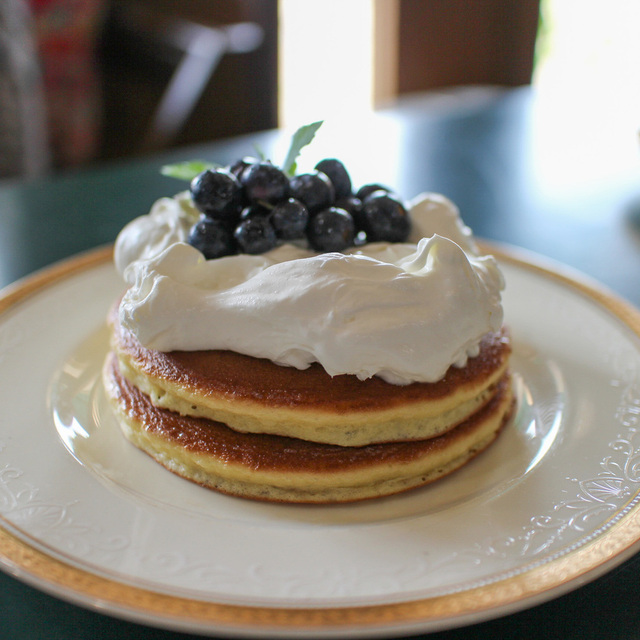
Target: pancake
<point>276,468</point>
<point>252,395</point>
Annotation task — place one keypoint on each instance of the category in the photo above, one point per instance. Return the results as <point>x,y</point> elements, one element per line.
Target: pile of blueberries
<point>252,206</point>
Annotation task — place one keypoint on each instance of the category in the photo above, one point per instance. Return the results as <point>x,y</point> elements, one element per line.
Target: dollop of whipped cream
<point>404,312</point>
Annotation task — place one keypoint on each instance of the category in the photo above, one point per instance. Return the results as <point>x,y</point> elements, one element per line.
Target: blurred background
<point>87,81</point>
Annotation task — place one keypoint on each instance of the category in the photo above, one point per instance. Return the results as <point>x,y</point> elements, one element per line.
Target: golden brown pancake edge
<point>257,396</point>
<point>275,468</point>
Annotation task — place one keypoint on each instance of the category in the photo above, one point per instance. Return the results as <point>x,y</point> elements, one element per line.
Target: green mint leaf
<point>301,138</point>
<point>187,170</point>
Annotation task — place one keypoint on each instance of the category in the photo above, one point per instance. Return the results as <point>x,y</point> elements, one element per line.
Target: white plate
<point>89,518</point>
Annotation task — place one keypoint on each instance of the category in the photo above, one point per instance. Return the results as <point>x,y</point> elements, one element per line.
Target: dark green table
<point>524,171</point>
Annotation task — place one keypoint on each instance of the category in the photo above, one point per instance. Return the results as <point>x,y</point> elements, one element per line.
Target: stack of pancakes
<point>248,427</point>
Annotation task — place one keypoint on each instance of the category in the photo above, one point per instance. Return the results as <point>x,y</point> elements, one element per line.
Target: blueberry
<point>289,219</point>
<point>360,240</point>
<point>368,189</point>
<point>264,182</point>
<point>215,192</point>
<point>212,238</point>
<point>338,175</point>
<point>384,218</point>
<point>238,167</point>
<point>313,189</point>
<point>255,235</point>
<point>253,210</point>
<point>352,205</point>
<point>331,229</point>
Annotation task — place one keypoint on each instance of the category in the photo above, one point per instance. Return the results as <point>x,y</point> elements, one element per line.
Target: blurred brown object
<point>445,43</point>
<point>177,73</point>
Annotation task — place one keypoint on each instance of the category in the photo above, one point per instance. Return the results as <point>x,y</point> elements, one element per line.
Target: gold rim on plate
<point>532,586</point>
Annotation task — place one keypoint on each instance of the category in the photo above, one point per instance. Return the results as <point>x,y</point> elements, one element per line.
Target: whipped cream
<point>168,222</point>
<point>404,312</point>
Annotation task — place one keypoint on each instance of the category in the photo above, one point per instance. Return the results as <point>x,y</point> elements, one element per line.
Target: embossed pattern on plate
<point>91,518</point>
